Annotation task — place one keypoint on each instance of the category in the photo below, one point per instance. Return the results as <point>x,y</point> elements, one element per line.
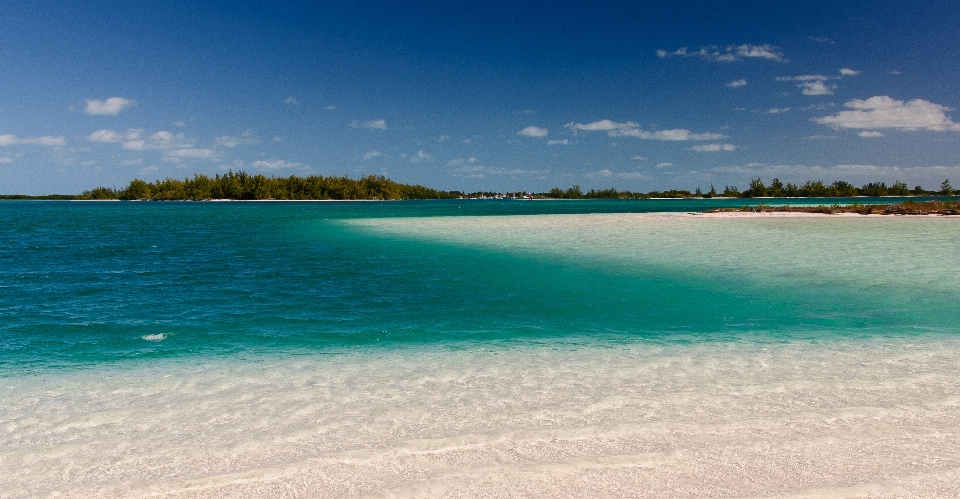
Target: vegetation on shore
<point>243,186</point>
<point>777,189</point>
<point>904,208</point>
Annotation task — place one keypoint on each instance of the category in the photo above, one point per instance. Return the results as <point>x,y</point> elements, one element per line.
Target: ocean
<point>475,348</point>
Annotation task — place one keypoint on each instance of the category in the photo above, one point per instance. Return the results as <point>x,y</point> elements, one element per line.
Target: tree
<point>776,188</point>
<point>945,188</point>
<point>757,189</point>
<point>573,193</point>
<point>138,189</point>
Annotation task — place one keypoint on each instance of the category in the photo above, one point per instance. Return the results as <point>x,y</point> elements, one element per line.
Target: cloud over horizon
<point>882,111</point>
<point>730,53</point>
<point>631,129</point>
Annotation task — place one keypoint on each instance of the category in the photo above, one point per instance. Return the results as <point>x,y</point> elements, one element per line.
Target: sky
<point>496,96</point>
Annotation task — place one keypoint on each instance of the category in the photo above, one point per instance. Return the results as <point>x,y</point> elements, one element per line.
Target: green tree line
<point>243,186</point>
<point>758,189</point>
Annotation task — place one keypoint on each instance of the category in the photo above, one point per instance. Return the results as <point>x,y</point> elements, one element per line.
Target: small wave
<point>154,337</point>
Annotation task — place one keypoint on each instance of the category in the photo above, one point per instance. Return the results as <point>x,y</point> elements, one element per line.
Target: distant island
<point>243,186</point>
<point>933,207</point>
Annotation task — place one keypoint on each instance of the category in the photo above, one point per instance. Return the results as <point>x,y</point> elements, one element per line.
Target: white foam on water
<point>868,418</point>
<point>154,337</point>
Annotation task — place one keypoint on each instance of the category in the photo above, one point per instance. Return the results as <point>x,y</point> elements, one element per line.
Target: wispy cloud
<point>715,147</point>
<point>192,153</point>
<point>849,72</point>
<point>274,164</point>
<point>371,155</point>
<point>461,161</point>
<point>534,131</point>
<point>421,156</point>
<point>870,134</point>
<point>816,88</point>
<point>47,140</point>
<point>882,111</point>
<point>110,107</point>
<point>233,141</point>
<point>737,83</point>
<point>105,136</point>
<point>631,129</point>
<point>370,125</point>
<point>605,174</point>
<point>291,101</point>
<point>558,142</point>
<point>729,53</point>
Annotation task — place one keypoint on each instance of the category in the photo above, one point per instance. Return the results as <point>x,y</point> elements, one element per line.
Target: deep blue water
<point>91,282</point>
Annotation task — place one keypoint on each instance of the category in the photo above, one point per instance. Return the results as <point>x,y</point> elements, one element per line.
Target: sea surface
<point>476,348</point>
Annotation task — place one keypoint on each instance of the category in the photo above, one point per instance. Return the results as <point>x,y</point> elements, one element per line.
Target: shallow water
<point>405,350</point>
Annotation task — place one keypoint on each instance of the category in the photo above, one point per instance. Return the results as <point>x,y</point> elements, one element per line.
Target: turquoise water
<point>475,349</point>
<point>85,283</point>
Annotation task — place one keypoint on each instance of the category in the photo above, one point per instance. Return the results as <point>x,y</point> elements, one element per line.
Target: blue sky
<point>469,96</point>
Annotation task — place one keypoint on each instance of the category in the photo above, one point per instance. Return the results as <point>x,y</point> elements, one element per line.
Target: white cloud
<point>777,110</point>
<point>764,51</point>
<point>558,142</point>
<point>737,83</point>
<point>849,72</point>
<point>533,131</point>
<point>192,153</point>
<point>110,107</point>
<point>371,155</point>
<point>816,88</point>
<point>443,138</point>
<point>715,147</point>
<point>631,129</point>
<point>460,161</point>
<point>105,136</point>
<point>882,111</point>
<point>292,101</point>
<point>274,164</point>
<point>866,133</point>
<point>805,78</point>
<point>149,169</point>
<point>638,158</point>
<point>233,141</point>
<point>420,156</point>
<point>664,165</point>
<point>47,140</point>
<point>730,53</point>
<point>599,174</point>
<point>370,125</point>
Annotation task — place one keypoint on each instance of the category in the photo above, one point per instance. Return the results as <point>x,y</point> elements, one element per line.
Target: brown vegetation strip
<point>905,208</point>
